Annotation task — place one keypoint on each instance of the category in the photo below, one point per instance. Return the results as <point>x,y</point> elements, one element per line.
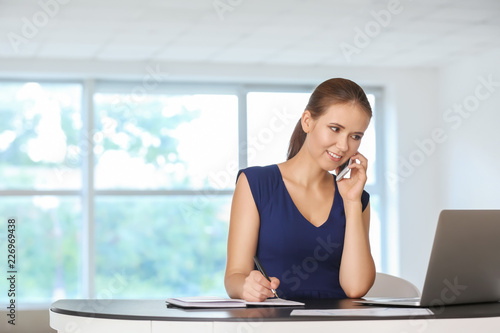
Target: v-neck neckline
<point>298,210</point>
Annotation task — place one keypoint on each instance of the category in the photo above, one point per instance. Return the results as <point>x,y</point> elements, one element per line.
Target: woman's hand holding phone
<point>344,169</point>
<point>351,188</point>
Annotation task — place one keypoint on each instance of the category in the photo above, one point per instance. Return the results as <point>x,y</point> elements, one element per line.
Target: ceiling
<point>394,33</point>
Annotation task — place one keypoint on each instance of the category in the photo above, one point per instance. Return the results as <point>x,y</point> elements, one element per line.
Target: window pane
<point>40,135</point>
<point>154,247</point>
<point>48,256</point>
<point>161,141</point>
<point>271,119</point>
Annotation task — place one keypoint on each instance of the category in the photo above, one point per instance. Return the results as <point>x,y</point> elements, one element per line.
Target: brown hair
<point>328,93</point>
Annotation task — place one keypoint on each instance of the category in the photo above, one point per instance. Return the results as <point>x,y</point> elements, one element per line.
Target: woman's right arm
<point>241,280</point>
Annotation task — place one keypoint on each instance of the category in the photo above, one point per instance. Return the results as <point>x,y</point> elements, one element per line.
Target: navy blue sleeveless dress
<point>305,258</point>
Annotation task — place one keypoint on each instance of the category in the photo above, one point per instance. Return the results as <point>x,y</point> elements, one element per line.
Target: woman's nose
<point>342,144</point>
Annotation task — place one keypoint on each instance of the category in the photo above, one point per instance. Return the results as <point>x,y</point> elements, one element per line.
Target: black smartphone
<point>344,169</point>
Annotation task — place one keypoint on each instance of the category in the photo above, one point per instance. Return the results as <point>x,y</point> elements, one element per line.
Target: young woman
<point>309,231</point>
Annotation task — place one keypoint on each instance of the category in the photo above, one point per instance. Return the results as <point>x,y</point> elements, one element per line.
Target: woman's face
<point>335,136</point>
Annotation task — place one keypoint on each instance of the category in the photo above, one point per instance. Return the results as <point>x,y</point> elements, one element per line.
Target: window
<point>272,116</point>
<point>164,141</point>
<point>41,122</point>
<point>126,195</point>
<point>171,241</point>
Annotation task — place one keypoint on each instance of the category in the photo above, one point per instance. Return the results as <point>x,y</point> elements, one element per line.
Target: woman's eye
<point>335,129</point>
<point>357,137</point>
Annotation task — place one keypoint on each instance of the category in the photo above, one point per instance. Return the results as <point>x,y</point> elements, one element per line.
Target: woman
<point>310,232</point>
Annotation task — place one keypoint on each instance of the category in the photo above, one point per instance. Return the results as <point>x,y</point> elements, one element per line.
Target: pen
<point>261,269</point>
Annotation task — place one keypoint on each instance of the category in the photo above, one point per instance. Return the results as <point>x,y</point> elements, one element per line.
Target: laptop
<point>464,266</point>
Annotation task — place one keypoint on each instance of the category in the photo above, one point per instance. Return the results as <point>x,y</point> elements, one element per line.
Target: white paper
<point>276,302</point>
<point>366,312</point>
<point>220,302</point>
<point>206,302</point>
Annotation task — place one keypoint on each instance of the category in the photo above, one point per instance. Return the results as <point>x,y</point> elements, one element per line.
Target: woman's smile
<point>334,157</point>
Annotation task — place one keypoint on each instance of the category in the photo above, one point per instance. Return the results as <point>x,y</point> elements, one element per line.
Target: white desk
<point>153,316</point>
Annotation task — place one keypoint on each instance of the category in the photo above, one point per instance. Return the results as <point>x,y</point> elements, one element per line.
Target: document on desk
<point>366,312</point>
<point>221,302</point>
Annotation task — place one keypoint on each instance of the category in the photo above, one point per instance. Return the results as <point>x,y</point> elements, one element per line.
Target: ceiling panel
<point>301,32</point>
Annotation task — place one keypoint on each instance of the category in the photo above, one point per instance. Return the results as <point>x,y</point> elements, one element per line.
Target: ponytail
<point>297,140</point>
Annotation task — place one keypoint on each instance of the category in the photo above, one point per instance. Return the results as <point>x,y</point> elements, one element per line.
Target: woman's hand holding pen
<point>351,188</point>
<point>257,288</point>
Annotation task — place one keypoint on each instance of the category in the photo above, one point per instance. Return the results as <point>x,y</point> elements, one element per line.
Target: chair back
<point>387,285</point>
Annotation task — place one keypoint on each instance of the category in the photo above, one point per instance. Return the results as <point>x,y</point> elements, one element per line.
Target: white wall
<point>460,170</point>
<point>471,155</point>
<point>413,182</point>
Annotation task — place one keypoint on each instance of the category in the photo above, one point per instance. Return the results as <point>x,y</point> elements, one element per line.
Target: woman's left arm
<point>357,268</point>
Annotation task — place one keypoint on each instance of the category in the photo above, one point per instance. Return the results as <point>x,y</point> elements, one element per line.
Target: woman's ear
<point>306,121</point>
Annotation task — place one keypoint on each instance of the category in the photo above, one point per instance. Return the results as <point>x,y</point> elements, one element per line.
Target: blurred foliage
<point>157,248</point>
<point>146,129</point>
<point>47,246</point>
<point>22,107</point>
